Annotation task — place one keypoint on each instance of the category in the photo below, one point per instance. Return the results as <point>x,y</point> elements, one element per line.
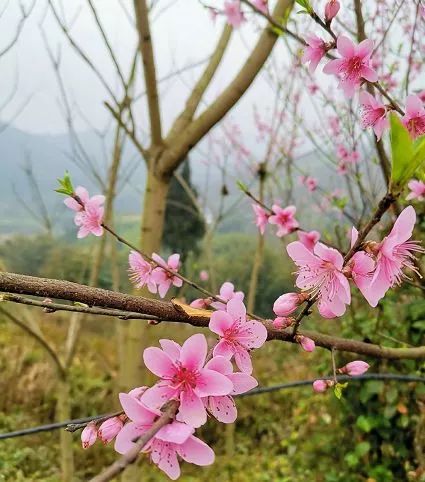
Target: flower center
<point>185,377</point>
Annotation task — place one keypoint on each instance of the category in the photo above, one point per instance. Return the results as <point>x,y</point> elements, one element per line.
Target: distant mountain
<point>51,155</point>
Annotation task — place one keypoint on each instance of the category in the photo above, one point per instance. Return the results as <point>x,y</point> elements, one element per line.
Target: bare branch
<point>39,338</point>
<point>146,51</point>
<point>180,313</point>
<point>131,456</point>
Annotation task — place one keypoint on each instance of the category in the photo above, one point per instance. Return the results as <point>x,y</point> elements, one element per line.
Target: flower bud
<point>200,303</point>
<point>307,344</point>
<point>89,435</point>
<point>320,386</point>
<point>287,303</point>
<point>331,9</point>
<point>355,368</point>
<point>203,275</point>
<point>110,429</point>
<point>281,322</point>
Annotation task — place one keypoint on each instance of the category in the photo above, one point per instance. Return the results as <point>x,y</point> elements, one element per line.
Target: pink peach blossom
<point>171,440</point>
<point>309,239</point>
<point>360,268</point>
<point>314,52</point>
<point>261,5</point>
<point>414,119</point>
<point>354,66</point>
<point>89,212</point>
<point>183,377</point>
<point>227,293</point>
<point>233,13</point>
<point>89,435</point>
<point>141,271</point>
<point>223,407</point>
<point>284,219</point>
<point>393,255</point>
<point>331,9</point>
<point>374,114</point>
<point>261,217</point>
<point>320,272</point>
<point>237,334</point>
<point>417,190</point>
<point>163,278</point>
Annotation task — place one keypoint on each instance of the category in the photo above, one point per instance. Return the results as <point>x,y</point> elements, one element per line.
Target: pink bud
<point>331,9</point>
<point>203,275</point>
<point>287,304</point>
<point>307,344</point>
<point>110,429</point>
<point>355,368</point>
<point>200,303</point>
<point>89,435</point>
<point>281,322</point>
<point>320,386</point>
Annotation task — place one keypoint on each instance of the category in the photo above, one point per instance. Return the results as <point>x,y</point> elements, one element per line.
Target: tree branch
<point>146,51</point>
<point>177,312</point>
<point>39,338</point>
<point>204,81</point>
<point>131,456</point>
<point>172,157</point>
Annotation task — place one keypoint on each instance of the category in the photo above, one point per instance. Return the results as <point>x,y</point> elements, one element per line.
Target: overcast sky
<point>183,34</point>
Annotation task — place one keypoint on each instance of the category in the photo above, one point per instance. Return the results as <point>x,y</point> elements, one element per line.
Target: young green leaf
<point>402,152</point>
<point>65,184</point>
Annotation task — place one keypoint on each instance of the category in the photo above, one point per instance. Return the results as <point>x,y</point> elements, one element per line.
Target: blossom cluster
<point>355,67</point>
<point>324,274</point>
<point>201,383</point>
<point>282,218</point>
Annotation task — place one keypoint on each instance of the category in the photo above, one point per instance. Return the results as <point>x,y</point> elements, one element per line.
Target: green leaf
<point>305,4</point>
<point>243,187</point>
<point>364,423</point>
<point>362,448</point>
<point>402,151</point>
<point>65,184</point>
<point>338,388</point>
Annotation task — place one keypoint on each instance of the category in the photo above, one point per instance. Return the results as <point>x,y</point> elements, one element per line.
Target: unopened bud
<point>109,429</point>
<point>307,344</point>
<point>89,435</point>
<point>354,368</point>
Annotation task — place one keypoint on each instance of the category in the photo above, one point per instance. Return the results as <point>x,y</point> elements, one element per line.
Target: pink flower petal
<point>171,348</point>
<point>223,408</point>
<point>211,382</point>
<point>158,362</point>
<point>236,309</point>
<point>220,364</point>
<point>193,352</point>
<point>242,382</point>
<point>196,451</point>
<point>220,322</point>
<point>175,432</point>
<point>345,46</point>
<point>243,361</point>
<point>124,440</point>
<point>192,410</point>
<point>135,410</point>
